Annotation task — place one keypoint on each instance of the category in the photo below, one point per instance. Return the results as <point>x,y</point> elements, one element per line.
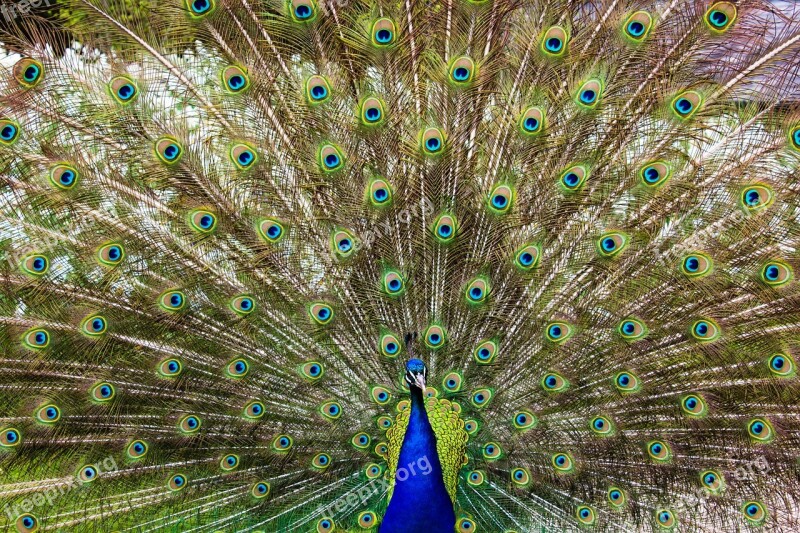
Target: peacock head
<point>416,373</point>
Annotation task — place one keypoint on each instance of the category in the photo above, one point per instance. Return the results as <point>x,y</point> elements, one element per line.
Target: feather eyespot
<point>312,370</point>
<point>637,26</point>
<point>611,244</point>
<point>320,313</point>
<point>111,255</point>
<point>234,79</point>
<point>169,150</point>
<point>754,513</point>
<point>271,230</point>
<point>393,283</point>
<point>260,490</point>
<point>471,426</point>
<point>445,228</point>
<point>10,438</point>
<point>554,382</point>
<point>632,329</point>
<point>28,72</point>
<point>525,420</point>
<point>384,423</point>
<point>573,178</point>
<point>531,123</point>
<point>9,131</point>
<point>381,395</point>
<point>558,332</point>
<point>282,443</point>
<point>696,265</point>
<point>177,482</point>
<point>452,382</point>
<point>102,392</point>
<point>243,156</point>
<point>302,10</point>
<point>554,42</point>
<point>35,265</point>
<point>462,71</point>
<point>705,330</point>
<point>627,382</point>
<point>563,463</point>
<point>756,197</point>
<point>243,305</point>
<point>27,523</point>
<point>136,449</point>
<point>367,519</point>
<point>229,462</point>
<point>48,414</point>
<point>190,424</point>
<point>372,112</point>
<point>321,461</point>
<point>713,481</point>
<point>781,365</point>
<point>331,410</point>
<point>64,177</point>
<point>389,345</point>
<point>694,405</point>
<point>485,352</point>
<point>123,89</point>
<point>616,497</point>
<point>254,410</point>
<point>659,451</point>
<point>170,367</point>
<point>500,199</point>
<point>665,519</point>
<point>602,426</point>
<point>238,368</point>
<point>585,515</point>
<point>432,141</point>
<point>361,441</point>
<point>686,104</point>
<point>589,94</point>
<point>477,290</point>
<point>173,301</point>
<point>94,325</point>
<point>330,158</point>
<point>200,8</point>
<point>435,337</point>
<point>318,90</point>
<point>720,16</point>
<point>491,451</point>
<point>325,525</point>
<point>776,273</point>
<point>655,174</point>
<point>760,430</point>
<point>36,339</point>
<point>87,473</point>
<point>476,478</point>
<point>794,137</point>
<point>384,32</point>
<point>481,397</point>
<point>382,449</point>
<point>343,243</point>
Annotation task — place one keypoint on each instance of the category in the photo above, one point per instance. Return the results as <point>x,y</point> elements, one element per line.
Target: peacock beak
<point>419,380</point>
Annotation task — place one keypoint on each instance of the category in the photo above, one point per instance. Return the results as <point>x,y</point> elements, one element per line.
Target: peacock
<point>401,266</point>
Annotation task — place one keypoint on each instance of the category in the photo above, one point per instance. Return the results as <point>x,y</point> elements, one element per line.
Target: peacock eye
<point>330,158</point>
<point>432,140</point>
<point>554,42</point>
<point>588,95</point>
<point>303,10</point>
<point>637,26</point>
<point>500,199</point>
<point>531,122</point>
<point>169,150</point>
<point>720,16</point>
<point>573,178</point>
<point>611,244</point>
<point>243,156</point>
<point>445,228</point>
<point>234,79</point>
<point>384,32</point>
<point>462,71</point>
<point>655,174</point>
<point>177,482</point>
<point>260,490</point>
<point>585,515</point>
<point>686,104</point>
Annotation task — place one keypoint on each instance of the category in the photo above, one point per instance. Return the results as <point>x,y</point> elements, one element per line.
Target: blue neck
<point>420,502</point>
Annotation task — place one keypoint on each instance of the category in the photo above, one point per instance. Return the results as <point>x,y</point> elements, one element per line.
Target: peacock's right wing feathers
<point>219,219</point>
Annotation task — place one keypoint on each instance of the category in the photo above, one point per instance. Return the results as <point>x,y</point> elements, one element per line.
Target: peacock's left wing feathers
<point>451,439</point>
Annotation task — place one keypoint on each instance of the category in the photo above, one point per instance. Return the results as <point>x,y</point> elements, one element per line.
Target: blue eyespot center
<point>323,313</point>
<point>433,144</point>
<point>8,132</point>
<point>615,495</point>
<point>176,300</point>
<point>692,264</point>
<point>274,231</point>
<point>445,230</point>
<point>484,353</point>
<point>718,18</point>
<point>201,6</point>
<point>651,175</point>
<point>27,522</point>
<point>240,366</point>
<point>588,96</point>
<point>331,160</point>
<point>629,327</point>
<point>560,460</point>
<point>778,362</point>
<point>499,201</point>
<point>609,244</point>
<point>752,509</point>
<point>636,28</point>
<point>710,479</point>
<point>373,114</point>
<point>126,91</point>
<point>571,179</point>
<point>11,436</point>
<point>302,11</point>
<point>475,293</point>
<point>246,157</point>
<point>752,197</point>
<point>434,338</point>
<point>772,272</point>
<point>656,448</point>
<point>531,124</point>
<point>663,517</point>
<point>391,347</point>
<point>319,92</point>
<point>345,245</point>
<point>105,391</point>
<point>555,331</point>
<point>171,151</point>
<point>624,379</point>
<point>236,82</point>
<point>584,513</point>
<point>114,252</point>
<point>683,105</point>
<point>394,284</point>
<point>526,258</point>
<point>40,337</point>
<point>383,36</point>
<point>554,44</point>
<point>701,328</point>
<point>461,73</point>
